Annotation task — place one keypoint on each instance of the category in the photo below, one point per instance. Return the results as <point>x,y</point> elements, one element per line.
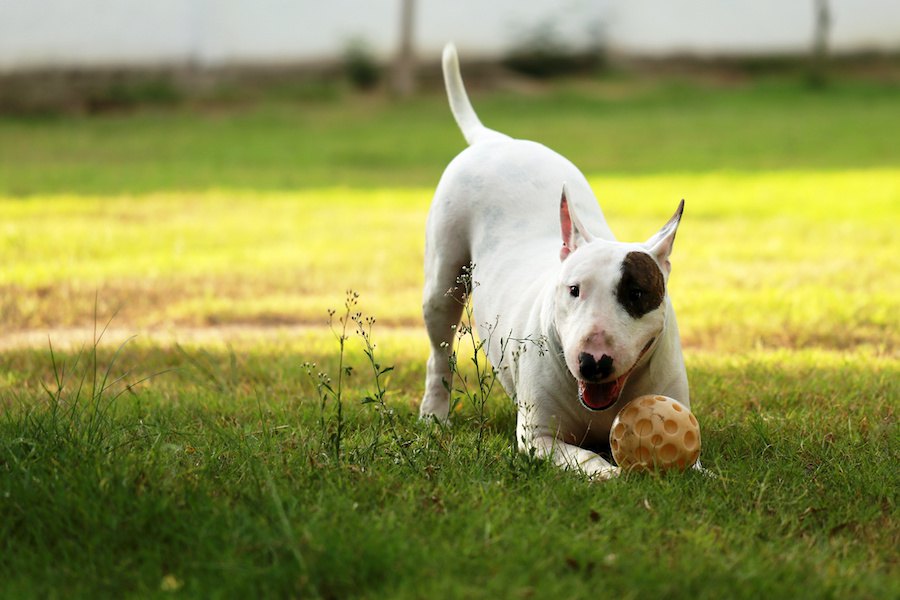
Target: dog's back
<point>501,178</point>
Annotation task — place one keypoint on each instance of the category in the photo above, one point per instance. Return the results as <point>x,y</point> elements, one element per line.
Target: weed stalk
<point>377,397</point>
<point>334,391</point>
<point>486,374</point>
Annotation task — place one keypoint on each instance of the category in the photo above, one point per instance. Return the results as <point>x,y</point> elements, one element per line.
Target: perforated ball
<point>654,433</point>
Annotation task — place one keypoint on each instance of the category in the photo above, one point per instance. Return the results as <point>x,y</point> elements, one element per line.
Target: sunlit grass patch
<point>786,259</point>
<point>781,259</point>
<point>210,258</point>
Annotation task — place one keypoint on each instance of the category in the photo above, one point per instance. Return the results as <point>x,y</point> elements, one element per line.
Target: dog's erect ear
<point>573,232</point>
<point>660,245</point>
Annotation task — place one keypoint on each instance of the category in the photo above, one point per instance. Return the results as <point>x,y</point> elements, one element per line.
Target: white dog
<point>577,323</point>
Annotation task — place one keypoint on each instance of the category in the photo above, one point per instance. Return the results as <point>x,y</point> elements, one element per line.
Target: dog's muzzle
<point>600,396</point>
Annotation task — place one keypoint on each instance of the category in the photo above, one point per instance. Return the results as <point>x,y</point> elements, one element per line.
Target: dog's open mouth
<point>600,396</point>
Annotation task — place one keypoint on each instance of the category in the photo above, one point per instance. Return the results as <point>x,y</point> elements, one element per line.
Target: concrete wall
<point>734,27</point>
<point>86,33</point>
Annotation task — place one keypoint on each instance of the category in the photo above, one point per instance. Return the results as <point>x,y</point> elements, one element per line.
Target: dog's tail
<point>462,110</point>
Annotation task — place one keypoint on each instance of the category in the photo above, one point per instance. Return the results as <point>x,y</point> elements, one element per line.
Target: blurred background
<point>89,54</point>
<point>199,163</point>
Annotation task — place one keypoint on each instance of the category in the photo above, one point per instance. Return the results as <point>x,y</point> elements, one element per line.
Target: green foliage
<point>542,52</point>
<point>360,66</point>
<point>119,96</point>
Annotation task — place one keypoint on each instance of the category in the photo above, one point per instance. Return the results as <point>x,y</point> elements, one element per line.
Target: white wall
<point>41,33</point>
<point>711,27</point>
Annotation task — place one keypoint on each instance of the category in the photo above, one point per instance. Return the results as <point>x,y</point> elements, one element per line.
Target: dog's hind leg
<point>442,305</point>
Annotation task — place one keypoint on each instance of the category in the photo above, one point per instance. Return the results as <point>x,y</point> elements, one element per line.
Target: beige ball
<point>653,433</point>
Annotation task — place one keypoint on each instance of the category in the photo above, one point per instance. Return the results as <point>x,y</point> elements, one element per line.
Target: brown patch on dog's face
<point>642,287</point>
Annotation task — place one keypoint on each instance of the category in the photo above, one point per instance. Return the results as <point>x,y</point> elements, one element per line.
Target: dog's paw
<point>434,407</point>
<point>436,420</point>
<point>604,473</point>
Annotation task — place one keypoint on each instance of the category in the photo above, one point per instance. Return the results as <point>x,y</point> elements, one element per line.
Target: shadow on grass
<point>220,476</point>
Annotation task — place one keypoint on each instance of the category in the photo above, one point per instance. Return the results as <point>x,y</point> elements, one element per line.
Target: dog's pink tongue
<point>599,396</point>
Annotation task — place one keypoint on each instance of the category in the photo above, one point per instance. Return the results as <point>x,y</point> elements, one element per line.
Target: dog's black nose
<point>592,368</point>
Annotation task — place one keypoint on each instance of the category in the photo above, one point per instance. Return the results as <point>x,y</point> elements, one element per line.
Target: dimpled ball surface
<point>655,433</point>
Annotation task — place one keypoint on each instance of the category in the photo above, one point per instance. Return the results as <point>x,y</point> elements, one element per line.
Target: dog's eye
<point>635,294</point>
<point>574,291</point>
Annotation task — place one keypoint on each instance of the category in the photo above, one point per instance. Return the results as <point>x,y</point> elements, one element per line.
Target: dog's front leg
<point>569,456</point>
<point>542,426</point>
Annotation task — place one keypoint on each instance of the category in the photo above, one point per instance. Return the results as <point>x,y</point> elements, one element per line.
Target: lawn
<point>204,458</point>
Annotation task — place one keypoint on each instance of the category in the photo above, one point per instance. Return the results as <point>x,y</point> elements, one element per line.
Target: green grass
<point>210,468</point>
<point>626,127</point>
<point>220,475</point>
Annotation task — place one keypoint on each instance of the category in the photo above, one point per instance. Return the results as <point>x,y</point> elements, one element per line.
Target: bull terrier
<point>577,323</point>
